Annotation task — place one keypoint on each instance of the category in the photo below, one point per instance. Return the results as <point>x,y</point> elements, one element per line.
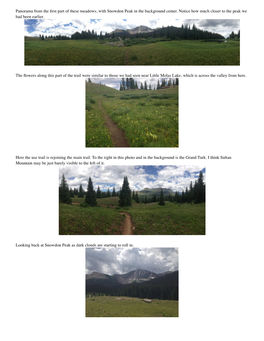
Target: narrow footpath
<point>128,230</point>
<point>117,135</point>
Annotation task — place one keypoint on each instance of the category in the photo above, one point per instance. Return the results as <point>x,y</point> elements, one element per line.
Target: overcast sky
<point>35,27</point>
<point>177,178</point>
<point>112,261</point>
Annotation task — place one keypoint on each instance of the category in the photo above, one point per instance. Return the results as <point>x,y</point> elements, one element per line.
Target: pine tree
<point>125,194</point>
<point>90,198</point>
<point>64,193</point>
<point>81,193</point>
<point>98,193</point>
<point>161,199</point>
<point>200,189</point>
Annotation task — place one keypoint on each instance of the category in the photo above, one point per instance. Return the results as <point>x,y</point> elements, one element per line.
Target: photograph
<point>132,200</point>
<point>132,112</point>
<point>131,282</point>
<point>165,41</point>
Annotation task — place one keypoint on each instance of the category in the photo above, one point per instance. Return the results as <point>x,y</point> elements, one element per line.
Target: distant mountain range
<point>135,276</point>
<point>139,29</point>
<point>169,32</point>
<point>137,283</point>
<point>155,191</point>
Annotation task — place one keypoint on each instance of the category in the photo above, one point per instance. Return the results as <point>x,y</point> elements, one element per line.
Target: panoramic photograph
<point>136,41</point>
<point>132,200</point>
<point>132,112</point>
<point>131,282</point>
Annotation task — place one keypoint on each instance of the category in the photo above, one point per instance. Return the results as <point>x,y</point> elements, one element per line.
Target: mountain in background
<point>136,283</point>
<point>168,32</point>
<point>155,191</point>
<point>136,276</point>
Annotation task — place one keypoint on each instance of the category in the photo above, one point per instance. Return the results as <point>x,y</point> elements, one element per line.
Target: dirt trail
<point>128,224</point>
<point>117,135</point>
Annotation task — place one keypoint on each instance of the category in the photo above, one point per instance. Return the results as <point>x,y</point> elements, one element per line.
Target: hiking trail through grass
<point>118,136</point>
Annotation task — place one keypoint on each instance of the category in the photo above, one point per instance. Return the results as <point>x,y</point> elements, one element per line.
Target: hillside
<point>137,283</point>
<point>146,118</point>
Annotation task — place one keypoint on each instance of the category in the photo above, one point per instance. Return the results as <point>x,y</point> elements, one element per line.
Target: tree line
<point>170,32</point>
<point>234,35</point>
<point>131,83</point>
<point>164,288</point>
<point>194,193</point>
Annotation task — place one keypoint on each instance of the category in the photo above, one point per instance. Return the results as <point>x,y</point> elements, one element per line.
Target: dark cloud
<point>122,260</point>
<point>221,26</point>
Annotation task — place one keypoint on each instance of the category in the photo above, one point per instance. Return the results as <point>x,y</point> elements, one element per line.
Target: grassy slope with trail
<point>94,52</point>
<point>149,118</point>
<point>148,219</point>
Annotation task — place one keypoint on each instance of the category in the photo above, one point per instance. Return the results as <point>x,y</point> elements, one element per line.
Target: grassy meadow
<point>95,52</point>
<point>112,306</point>
<point>149,118</point>
<point>147,219</point>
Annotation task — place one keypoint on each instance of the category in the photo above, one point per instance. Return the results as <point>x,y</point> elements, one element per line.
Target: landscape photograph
<point>132,112</point>
<point>131,282</point>
<point>164,41</point>
<point>132,200</point>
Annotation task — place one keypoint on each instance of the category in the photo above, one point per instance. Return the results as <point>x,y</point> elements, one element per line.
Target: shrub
<point>89,106</point>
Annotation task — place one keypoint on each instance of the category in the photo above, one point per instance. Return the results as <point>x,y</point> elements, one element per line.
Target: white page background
<point>221,273</point>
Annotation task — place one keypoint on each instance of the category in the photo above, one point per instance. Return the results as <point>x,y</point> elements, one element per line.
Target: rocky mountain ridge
<point>135,276</point>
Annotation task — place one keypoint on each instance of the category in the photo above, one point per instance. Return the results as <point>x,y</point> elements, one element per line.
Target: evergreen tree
<point>161,199</point>
<point>114,192</point>
<point>64,193</point>
<point>90,198</point>
<point>125,194</point>
<point>98,193</point>
<point>81,192</point>
<point>71,193</point>
<point>199,197</point>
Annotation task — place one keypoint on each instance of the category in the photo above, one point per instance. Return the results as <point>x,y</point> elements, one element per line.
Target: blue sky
<point>33,27</point>
<point>177,178</point>
<point>123,260</point>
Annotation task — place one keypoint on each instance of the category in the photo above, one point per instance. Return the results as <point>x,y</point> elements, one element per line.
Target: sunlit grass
<point>148,118</point>
<point>87,52</point>
<point>111,306</point>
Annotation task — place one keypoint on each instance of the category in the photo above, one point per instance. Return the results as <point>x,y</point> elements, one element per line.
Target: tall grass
<point>76,220</point>
<point>148,118</point>
<point>87,52</point>
<point>148,219</point>
<point>110,306</point>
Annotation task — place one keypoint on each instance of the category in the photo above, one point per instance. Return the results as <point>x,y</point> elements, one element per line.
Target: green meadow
<point>112,306</point>
<point>147,219</point>
<point>96,52</point>
<point>149,118</point>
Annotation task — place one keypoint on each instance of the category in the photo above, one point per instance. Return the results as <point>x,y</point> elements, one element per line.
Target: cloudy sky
<point>177,178</point>
<point>33,27</point>
<point>122,260</point>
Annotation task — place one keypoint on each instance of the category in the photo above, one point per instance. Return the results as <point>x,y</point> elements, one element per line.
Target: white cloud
<point>56,26</point>
<point>177,178</point>
<point>122,260</point>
